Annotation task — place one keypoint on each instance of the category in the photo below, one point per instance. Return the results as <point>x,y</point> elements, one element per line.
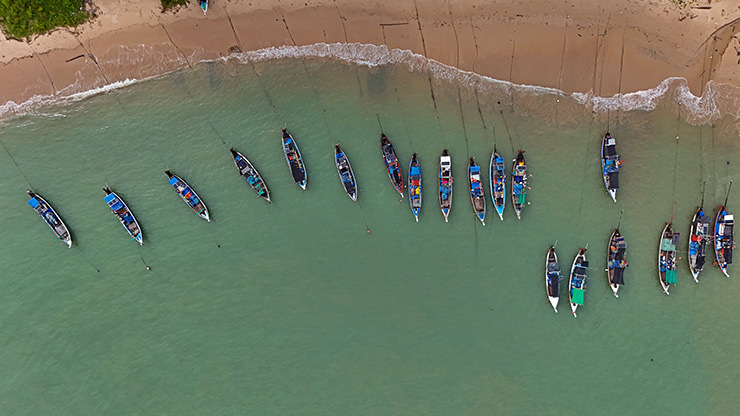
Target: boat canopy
<point>33,202</point>
<point>613,180</point>
<point>173,180</point>
<point>475,169</point>
<point>667,245</point>
<point>415,170</point>
<point>576,296</point>
<point>670,277</point>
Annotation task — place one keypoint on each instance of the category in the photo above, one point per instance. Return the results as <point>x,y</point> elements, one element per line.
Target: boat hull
<point>294,159</point>
<point>188,195</point>
<point>444,180</point>
<point>519,184</point>
<point>414,186</point>
<point>610,163</point>
<point>667,257</point>
<point>124,215</point>
<point>616,263</point>
<point>698,235</point>
<point>577,280</point>
<point>723,239</point>
<point>50,216</point>
<point>392,166</point>
<point>497,172</point>
<point>250,175</point>
<point>346,175</point>
<point>552,278</point>
<point>477,196</point>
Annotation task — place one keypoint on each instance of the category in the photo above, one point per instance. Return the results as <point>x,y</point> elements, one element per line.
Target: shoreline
<point>578,47</point>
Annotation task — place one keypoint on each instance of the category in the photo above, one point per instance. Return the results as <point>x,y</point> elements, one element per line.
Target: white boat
<point>445,184</point>
<point>577,283</point>
<point>616,262</point>
<point>667,257</point>
<point>699,234</point>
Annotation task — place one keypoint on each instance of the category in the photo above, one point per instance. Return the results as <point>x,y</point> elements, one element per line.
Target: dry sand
<point>610,47</point>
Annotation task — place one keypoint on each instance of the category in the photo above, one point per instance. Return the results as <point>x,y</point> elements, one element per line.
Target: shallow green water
<point>293,308</point>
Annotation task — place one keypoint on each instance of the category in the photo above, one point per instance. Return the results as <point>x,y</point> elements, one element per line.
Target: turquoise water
<point>294,308</point>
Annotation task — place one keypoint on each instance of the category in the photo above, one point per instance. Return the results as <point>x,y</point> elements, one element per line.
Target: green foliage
<point>168,4</point>
<point>21,19</point>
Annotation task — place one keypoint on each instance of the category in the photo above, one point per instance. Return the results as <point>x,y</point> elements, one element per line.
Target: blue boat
<point>391,163</point>
<point>477,196</point>
<point>723,236</point>
<point>610,164</point>
<point>415,186</point>
<point>188,195</point>
<point>53,219</point>
<point>498,182</point>
<point>294,159</point>
<point>250,174</point>
<point>345,173</point>
<point>125,216</point>
<point>204,6</point>
<point>699,234</point>
<point>519,184</point>
<point>445,184</point>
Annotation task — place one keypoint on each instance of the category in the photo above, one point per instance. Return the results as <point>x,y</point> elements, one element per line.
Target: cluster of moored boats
<point>700,233</point>
<point>347,179</point>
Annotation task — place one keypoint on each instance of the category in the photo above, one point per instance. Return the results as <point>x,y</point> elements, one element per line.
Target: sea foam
<point>717,101</point>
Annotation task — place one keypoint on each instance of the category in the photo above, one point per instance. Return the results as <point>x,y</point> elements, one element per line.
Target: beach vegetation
<point>168,4</point>
<point>22,19</point>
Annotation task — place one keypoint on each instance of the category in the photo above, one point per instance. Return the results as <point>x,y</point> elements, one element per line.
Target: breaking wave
<point>717,101</point>
<point>13,108</point>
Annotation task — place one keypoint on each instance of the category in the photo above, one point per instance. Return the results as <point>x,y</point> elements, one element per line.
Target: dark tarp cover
<point>610,150</point>
<point>618,276</point>
<point>613,180</point>
<point>699,262</point>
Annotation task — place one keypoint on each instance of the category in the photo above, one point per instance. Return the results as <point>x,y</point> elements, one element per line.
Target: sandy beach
<point>577,46</point>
